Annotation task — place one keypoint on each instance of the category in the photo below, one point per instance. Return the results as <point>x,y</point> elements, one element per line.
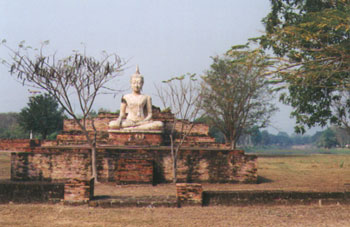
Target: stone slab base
<point>132,201</point>
<point>31,192</point>
<point>135,138</point>
<point>242,198</point>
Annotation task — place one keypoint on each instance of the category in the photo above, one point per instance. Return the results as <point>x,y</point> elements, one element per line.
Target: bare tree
<point>182,97</point>
<point>236,95</point>
<point>76,78</point>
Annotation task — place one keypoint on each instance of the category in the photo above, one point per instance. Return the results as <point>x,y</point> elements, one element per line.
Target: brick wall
<point>134,171</point>
<point>101,124</point>
<point>135,165</point>
<point>51,164</point>
<point>197,129</point>
<point>19,144</point>
<point>223,166</point>
<point>194,165</point>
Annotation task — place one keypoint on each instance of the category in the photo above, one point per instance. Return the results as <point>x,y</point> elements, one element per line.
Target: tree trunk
<point>93,162</point>
<point>93,152</point>
<point>233,144</point>
<point>174,157</point>
<point>44,135</point>
<point>175,171</point>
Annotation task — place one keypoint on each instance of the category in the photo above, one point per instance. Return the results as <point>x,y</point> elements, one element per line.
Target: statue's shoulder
<point>127,96</point>
<point>147,98</point>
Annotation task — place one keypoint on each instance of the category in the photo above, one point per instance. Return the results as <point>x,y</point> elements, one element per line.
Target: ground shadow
<point>97,197</point>
<point>262,179</point>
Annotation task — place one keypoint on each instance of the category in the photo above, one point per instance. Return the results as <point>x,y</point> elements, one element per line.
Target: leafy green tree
<point>342,135</point>
<point>283,139</point>
<point>298,139</point>
<point>213,131</point>
<point>265,138</point>
<point>316,137</point>
<point>311,39</point>
<point>42,115</point>
<point>327,139</point>
<point>256,136</point>
<point>9,127</point>
<point>235,93</point>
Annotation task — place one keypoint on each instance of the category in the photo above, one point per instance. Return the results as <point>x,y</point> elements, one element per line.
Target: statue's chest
<point>136,102</point>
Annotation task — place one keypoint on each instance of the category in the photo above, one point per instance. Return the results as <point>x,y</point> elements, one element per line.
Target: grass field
<point>317,172</point>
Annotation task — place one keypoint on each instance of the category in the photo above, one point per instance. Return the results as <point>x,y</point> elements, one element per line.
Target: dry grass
<point>302,173</point>
<point>58,215</point>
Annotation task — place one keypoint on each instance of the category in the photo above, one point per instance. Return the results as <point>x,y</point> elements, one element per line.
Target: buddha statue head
<point>136,81</point>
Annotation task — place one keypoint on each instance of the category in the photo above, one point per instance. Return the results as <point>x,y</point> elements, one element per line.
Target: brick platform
<point>130,157</point>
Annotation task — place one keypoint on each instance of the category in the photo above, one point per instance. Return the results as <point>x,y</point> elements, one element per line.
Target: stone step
<point>278,197</point>
<point>131,201</point>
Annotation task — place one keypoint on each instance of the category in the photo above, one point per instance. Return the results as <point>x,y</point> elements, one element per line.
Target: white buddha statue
<point>138,107</point>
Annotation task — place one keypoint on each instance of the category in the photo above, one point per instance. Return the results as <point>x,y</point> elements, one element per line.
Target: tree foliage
<point>42,115</point>
<point>213,131</point>
<point>235,93</point>
<point>311,39</point>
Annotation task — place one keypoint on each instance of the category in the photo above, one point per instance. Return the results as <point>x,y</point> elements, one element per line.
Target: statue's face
<point>136,84</point>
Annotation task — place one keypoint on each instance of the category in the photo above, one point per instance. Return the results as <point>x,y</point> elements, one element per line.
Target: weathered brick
<point>189,194</point>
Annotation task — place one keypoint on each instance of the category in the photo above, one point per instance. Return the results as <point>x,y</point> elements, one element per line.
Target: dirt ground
<point>58,215</point>
<point>301,173</point>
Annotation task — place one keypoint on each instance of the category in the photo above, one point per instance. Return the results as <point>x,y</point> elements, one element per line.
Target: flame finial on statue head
<point>137,69</point>
<point>137,74</point>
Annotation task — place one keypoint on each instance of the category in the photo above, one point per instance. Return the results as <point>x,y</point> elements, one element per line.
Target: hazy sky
<point>164,37</point>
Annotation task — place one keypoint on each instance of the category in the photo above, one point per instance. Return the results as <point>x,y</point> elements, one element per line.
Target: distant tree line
<point>10,128</point>
<point>42,118</point>
<point>331,137</point>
